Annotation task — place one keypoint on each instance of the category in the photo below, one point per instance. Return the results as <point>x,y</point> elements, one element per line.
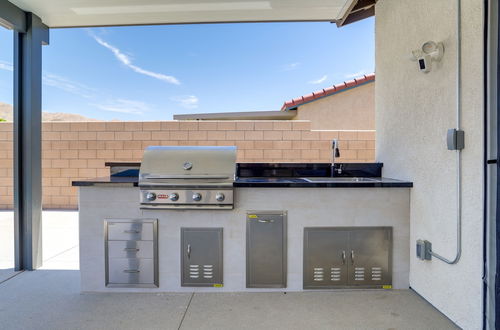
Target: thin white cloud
<point>356,74</point>
<point>125,59</point>
<point>67,85</point>
<point>291,66</point>
<point>187,101</point>
<point>60,82</point>
<point>6,66</point>
<point>319,81</point>
<point>124,106</point>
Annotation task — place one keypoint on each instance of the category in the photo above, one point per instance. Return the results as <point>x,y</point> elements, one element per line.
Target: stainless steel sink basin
<point>341,179</point>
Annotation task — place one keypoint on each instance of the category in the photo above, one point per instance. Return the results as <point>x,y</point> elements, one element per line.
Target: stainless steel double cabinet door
<point>347,257</point>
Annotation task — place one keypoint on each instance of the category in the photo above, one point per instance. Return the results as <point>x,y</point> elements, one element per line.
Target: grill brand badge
<point>187,166</point>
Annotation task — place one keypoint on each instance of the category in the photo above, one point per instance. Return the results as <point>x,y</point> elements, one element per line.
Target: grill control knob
<point>220,197</point>
<point>150,196</point>
<point>174,197</point>
<point>197,197</point>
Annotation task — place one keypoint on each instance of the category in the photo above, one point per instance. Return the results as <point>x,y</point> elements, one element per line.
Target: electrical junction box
<point>424,249</point>
<point>455,139</point>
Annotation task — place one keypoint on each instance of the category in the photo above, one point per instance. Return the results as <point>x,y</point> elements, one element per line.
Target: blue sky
<point>153,72</point>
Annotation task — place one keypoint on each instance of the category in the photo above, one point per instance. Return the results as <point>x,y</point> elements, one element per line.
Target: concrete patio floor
<point>50,299</point>
<point>60,241</point>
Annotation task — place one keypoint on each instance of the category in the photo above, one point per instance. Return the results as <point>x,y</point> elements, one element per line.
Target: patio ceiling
<point>81,13</point>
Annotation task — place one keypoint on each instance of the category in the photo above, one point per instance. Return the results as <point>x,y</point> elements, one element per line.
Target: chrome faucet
<point>335,154</point>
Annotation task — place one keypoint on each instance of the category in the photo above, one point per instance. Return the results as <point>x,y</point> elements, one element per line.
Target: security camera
<point>428,53</point>
<point>425,63</point>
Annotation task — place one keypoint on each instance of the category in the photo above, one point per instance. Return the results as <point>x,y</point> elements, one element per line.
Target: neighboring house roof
<point>292,104</point>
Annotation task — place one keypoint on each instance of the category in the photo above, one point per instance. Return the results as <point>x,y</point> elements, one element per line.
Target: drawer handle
<point>130,249</point>
<point>189,251</point>
<point>131,271</point>
<point>352,257</point>
<point>132,231</point>
<point>265,220</point>
<point>343,257</point>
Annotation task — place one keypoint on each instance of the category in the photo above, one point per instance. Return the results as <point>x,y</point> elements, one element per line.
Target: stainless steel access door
<point>370,256</point>
<point>201,256</point>
<point>266,249</point>
<point>325,257</point>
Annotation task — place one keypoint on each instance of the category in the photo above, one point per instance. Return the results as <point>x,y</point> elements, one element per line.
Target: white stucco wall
<point>413,112</point>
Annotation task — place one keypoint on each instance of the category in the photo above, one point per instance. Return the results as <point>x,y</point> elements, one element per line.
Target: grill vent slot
<point>359,273</point>
<point>376,273</point>
<point>208,271</point>
<point>335,274</point>
<point>319,274</point>
<point>194,271</point>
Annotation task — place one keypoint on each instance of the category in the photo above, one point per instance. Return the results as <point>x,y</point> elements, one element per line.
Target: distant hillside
<point>6,113</point>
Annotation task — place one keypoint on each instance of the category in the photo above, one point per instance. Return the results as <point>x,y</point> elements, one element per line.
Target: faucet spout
<point>335,154</point>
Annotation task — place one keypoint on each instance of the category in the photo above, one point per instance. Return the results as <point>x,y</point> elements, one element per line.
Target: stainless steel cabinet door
<point>370,256</point>
<point>266,250</point>
<point>325,264</point>
<point>201,255</point>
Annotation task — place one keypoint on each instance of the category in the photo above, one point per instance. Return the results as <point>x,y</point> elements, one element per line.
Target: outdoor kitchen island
<point>294,232</point>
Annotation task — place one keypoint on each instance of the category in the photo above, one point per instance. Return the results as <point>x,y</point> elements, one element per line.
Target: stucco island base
<point>306,207</point>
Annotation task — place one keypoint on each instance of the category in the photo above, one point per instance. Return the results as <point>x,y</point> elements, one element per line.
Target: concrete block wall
<point>78,150</point>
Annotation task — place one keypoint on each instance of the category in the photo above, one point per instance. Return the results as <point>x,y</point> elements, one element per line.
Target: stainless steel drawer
<point>127,231</point>
<point>131,271</point>
<point>131,249</point>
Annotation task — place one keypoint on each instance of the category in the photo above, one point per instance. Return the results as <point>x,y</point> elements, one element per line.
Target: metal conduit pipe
<point>459,151</point>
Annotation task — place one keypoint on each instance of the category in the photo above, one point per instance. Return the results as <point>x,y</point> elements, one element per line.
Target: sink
<point>310,180</point>
<point>341,179</point>
<point>271,180</point>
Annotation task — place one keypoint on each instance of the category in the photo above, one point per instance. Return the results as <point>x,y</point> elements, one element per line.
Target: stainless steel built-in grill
<point>187,177</point>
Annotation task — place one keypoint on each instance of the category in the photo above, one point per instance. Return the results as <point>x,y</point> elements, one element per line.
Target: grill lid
<point>187,165</point>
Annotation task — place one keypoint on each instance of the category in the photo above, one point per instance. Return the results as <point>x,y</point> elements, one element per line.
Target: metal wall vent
<point>335,274</point>
<point>194,271</point>
<point>319,274</point>
<point>359,273</point>
<point>376,273</point>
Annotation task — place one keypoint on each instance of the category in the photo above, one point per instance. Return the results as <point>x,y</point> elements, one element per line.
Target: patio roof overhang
<point>86,13</point>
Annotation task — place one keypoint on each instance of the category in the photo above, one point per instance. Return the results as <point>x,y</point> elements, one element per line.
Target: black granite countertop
<point>127,181</point>
<point>273,175</point>
<point>270,182</point>
<point>322,182</point>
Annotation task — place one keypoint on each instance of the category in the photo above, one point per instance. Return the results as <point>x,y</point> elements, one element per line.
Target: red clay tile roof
<point>328,91</point>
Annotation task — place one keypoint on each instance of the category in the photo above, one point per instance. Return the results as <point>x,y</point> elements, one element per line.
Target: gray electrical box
<point>455,139</point>
<point>201,257</point>
<point>266,249</point>
<point>424,249</point>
